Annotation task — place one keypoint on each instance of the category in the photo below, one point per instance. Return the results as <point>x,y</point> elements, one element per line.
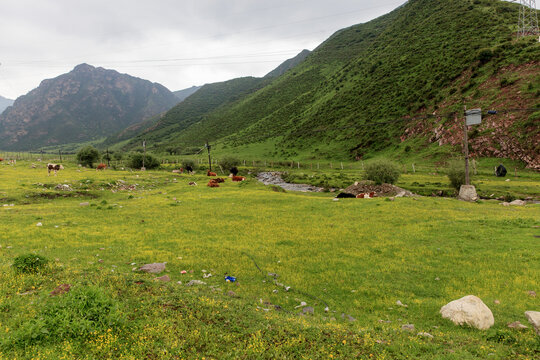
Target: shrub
<point>382,172</point>
<point>74,315</point>
<point>29,263</point>
<point>150,162</point>
<point>189,162</point>
<point>87,156</point>
<point>485,55</point>
<point>456,173</point>
<point>228,162</point>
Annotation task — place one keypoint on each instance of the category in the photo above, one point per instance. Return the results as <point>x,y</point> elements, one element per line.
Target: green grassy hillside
<point>424,56</point>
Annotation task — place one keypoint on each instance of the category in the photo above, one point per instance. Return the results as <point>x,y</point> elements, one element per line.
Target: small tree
<point>382,172</point>
<point>456,173</point>
<point>150,162</point>
<point>87,156</point>
<point>229,162</point>
<point>188,163</point>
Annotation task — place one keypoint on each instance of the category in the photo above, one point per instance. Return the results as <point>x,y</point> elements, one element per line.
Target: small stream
<point>274,178</point>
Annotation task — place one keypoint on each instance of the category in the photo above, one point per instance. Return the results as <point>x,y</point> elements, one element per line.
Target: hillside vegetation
<point>427,56</point>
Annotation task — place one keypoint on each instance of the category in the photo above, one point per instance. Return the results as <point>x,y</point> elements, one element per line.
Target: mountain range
<point>85,104</point>
<point>398,83</point>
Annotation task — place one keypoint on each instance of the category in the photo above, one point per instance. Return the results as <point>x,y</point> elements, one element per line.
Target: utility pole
<point>144,154</point>
<point>108,158</point>
<point>60,153</point>
<point>528,19</point>
<point>466,141</point>
<point>209,158</point>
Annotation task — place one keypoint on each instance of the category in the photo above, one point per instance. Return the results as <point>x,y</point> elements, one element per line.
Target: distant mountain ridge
<point>195,107</point>
<point>84,104</point>
<point>183,94</point>
<point>5,103</point>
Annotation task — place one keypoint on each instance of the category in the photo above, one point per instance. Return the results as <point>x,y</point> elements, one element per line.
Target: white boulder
<point>534,319</point>
<point>467,193</point>
<point>469,310</point>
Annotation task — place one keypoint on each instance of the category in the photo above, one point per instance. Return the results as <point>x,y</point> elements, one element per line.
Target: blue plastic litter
<point>230,279</point>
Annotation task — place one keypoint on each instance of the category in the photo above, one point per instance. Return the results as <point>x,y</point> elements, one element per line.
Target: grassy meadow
<point>356,257</point>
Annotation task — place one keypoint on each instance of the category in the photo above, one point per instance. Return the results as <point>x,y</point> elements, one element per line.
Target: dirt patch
<point>379,190</point>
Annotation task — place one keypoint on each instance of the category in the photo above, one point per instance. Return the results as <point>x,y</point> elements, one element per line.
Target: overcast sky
<point>178,43</point>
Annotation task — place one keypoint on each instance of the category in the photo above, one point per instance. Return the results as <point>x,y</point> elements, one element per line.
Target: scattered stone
<point>532,293</point>
<point>335,199</point>
<point>517,325</point>
<point>437,279</point>
<point>60,289</point>
<point>231,293</point>
<point>407,327</point>
<point>164,278</point>
<point>425,334</point>
<point>497,302</point>
<point>349,317</point>
<point>195,282</point>
<point>39,224</point>
<point>206,276</point>
<point>302,304</point>
<point>399,303</point>
<point>384,321</point>
<point>507,180</point>
<point>154,268</point>
<point>392,198</point>
<point>326,309</point>
<point>84,204</point>
<point>467,193</point>
<point>534,319</point>
<point>63,187</point>
<point>505,203</point>
<point>274,275</point>
<point>518,203</point>
<point>275,291</point>
<point>308,310</point>
<point>469,310</point>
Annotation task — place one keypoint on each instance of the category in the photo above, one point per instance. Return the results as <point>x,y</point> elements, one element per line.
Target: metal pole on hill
<point>209,158</point>
<point>466,142</point>
<point>108,158</point>
<point>60,153</point>
<point>144,154</point>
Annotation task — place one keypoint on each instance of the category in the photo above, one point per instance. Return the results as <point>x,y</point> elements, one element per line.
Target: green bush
<point>150,162</point>
<point>189,162</point>
<point>87,156</point>
<point>74,315</point>
<point>29,263</point>
<point>228,163</point>
<point>382,172</point>
<point>456,173</point>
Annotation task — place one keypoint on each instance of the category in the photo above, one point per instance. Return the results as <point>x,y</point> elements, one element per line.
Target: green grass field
<point>358,257</point>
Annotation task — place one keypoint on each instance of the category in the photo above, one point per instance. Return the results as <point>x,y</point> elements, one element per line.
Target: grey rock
<point>517,325</point>
<point>407,327</point>
<point>534,319</point>
<point>425,334</point>
<point>154,268</point>
<point>84,204</point>
<point>164,278</point>
<point>469,310</point>
<point>467,193</point>
<point>195,282</point>
<point>308,310</point>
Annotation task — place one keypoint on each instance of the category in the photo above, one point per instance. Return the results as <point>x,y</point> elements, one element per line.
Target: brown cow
<point>53,167</point>
<point>209,173</point>
<point>238,178</point>
<point>212,184</point>
<point>101,167</point>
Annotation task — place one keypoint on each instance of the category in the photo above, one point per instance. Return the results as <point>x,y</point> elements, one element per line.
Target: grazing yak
<point>53,167</point>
